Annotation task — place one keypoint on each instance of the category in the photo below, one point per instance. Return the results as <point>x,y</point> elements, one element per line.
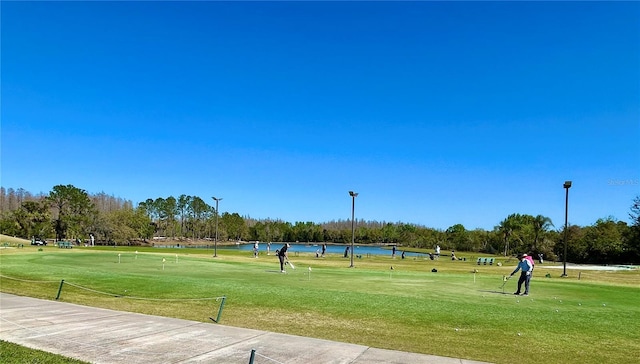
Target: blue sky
<point>435,113</point>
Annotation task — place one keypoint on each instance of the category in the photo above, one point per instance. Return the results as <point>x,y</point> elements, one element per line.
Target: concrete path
<point>99,335</point>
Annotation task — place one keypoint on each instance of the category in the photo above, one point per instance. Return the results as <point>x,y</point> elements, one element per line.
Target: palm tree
<point>510,225</point>
<point>541,224</point>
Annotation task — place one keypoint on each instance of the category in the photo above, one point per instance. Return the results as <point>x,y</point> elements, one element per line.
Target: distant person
<point>317,253</point>
<point>541,258</point>
<point>283,256</point>
<point>256,247</point>
<point>324,249</point>
<point>403,254</point>
<point>393,252</point>
<point>437,251</point>
<point>346,252</point>
<point>453,255</point>
<point>525,269</point>
<point>93,239</point>
<point>268,247</point>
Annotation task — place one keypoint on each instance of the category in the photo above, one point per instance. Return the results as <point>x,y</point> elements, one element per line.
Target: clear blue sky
<point>435,113</point>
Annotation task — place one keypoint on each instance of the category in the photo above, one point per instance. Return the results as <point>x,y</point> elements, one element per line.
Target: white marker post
<point>118,258</point>
<point>163,260</point>
<point>136,255</point>
<point>309,273</point>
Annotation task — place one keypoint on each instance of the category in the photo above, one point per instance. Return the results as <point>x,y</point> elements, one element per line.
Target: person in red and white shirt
<point>525,267</point>
<point>530,259</point>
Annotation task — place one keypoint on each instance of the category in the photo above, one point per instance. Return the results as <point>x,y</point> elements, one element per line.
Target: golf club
<point>504,280</point>
<point>291,264</point>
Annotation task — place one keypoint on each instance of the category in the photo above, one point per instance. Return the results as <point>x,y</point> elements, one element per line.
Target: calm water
<point>331,249</point>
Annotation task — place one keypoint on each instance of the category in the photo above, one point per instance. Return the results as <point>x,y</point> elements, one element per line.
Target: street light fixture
<point>353,229</point>
<point>567,185</point>
<point>215,242</point>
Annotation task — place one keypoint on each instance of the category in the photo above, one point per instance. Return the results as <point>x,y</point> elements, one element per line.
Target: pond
<point>363,250</point>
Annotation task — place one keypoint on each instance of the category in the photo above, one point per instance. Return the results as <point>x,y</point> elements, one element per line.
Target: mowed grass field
<point>452,312</point>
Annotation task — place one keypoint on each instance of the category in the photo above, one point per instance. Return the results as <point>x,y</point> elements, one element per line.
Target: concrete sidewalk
<point>99,335</point>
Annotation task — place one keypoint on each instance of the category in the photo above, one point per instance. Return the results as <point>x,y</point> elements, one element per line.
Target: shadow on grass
<point>496,292</point>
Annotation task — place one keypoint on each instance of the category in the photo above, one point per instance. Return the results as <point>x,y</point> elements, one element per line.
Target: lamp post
<point>215,241</point>
<point>353,229</point>
<point>567,185</point>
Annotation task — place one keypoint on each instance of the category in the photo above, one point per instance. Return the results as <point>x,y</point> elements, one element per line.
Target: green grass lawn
<point>11,353</point>
<point>452,312</point>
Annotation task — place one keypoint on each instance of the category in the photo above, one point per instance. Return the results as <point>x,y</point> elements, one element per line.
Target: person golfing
<point>283,256</point>
<point>525,268</point>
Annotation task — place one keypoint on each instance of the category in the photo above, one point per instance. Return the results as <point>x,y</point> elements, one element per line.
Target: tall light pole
<point>567,185</point>
<point>353,228</point>
<point>215,242</point>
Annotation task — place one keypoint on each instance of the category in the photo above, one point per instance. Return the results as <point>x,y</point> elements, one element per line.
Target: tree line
<point>70,213</point>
